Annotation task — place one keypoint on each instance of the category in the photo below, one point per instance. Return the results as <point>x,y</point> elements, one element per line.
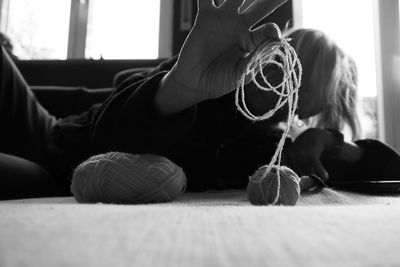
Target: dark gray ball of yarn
<point>124,178</point>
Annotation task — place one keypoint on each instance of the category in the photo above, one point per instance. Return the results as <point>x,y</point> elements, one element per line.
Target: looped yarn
<point>117,177</point>
<point>282,55</point>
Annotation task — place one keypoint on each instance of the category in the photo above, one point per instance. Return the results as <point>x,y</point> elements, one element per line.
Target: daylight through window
<point>94,29</point>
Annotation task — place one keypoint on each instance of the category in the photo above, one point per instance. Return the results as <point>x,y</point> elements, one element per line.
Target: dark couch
<point>62,101</point>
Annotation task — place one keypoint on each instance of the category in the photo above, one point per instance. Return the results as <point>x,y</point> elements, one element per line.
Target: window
<point>350,23</point>
<point>36,33</point>
<point>93,29</point>
<point>129,29</point>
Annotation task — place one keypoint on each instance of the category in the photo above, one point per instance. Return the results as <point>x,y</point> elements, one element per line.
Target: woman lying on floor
<point>184,110</point>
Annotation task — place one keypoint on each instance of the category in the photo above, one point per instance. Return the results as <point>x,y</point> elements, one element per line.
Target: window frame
<point>79,15</point>
<point>3,3</point>
<point>387,32</point>
<point>78,20</point>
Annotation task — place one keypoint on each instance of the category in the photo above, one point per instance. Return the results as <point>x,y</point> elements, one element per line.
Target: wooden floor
<point>329,228</point>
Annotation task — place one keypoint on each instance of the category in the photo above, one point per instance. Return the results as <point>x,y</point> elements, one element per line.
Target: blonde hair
<point>326,67</point>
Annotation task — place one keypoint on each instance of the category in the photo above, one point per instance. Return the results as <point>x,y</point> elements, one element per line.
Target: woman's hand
<point>214,55</point>
<point>304,155</point>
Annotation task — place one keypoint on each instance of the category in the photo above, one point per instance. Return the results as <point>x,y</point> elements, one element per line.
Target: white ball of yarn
<point>125,178</point>
<point>267,190</point>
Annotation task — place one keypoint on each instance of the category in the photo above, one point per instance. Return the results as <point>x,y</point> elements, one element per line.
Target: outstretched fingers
<point>259,10</point>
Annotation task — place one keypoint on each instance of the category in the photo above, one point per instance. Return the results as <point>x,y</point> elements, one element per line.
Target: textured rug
<point>329,228</point>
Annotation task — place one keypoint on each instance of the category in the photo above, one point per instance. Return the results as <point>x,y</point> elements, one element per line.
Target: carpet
<point>328,228</point>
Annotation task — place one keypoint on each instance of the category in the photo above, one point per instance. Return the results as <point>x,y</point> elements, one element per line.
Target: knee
<point>20,178</point>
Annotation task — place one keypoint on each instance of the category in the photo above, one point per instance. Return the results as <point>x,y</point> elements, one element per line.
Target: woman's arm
<point>350,152</point>
<point>323,151</point>
<point>306,153</point>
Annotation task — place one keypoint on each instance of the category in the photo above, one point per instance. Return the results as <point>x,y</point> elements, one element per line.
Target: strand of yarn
<point>281,54</point>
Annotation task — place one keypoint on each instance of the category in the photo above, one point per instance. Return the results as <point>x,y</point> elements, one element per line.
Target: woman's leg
<point>25,124</point>
<point>21,178</point>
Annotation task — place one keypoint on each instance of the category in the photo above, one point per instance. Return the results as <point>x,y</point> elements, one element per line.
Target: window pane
<point>355,34</point>
<point>122,29</point>
<point>38,29</point>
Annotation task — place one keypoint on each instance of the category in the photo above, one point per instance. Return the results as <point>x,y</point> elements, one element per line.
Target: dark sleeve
<point>128,121</point>
<point>133,75</point>
<point>377,163</point>
<point>238,158</point>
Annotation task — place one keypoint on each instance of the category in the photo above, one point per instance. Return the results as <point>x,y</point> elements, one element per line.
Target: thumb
<point>268,31</point>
